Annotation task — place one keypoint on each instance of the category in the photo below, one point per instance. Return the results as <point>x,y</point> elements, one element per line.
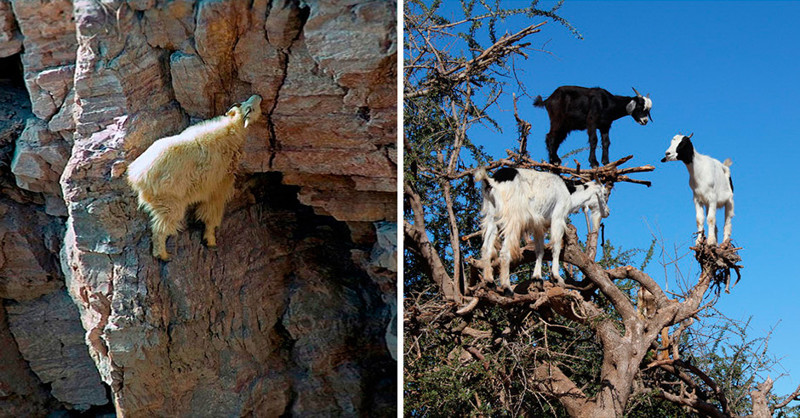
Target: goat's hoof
<point>163,257</point>
<point>210,246</point>
<point>507,292</point>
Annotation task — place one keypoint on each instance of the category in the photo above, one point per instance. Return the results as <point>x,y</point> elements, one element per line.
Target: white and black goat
<point>711,185</point>
<point>518,202</point>
<point>573,108</point>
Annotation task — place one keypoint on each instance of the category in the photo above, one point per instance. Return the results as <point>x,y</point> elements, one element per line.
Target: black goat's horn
<point>637,93</point>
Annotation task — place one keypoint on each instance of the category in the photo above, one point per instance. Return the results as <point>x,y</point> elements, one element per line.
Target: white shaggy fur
<point>711,185</point>
<point>528,204</point>
<point>195,166</point>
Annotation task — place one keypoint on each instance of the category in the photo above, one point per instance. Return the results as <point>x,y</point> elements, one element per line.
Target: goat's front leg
<point>700,218</point>
<point>592,146</point>
<point>606,142</point>
<point>556,237</point>
<point>711,219</point>
<point>726,237</point>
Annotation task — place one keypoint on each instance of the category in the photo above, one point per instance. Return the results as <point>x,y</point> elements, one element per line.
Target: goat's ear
<point>232,110</point>
<point>631,106</point>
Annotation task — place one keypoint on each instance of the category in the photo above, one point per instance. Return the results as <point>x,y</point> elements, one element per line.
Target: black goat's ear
<point>631,106</point>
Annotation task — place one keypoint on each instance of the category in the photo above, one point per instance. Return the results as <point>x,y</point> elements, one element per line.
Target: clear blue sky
<point>730,73</point>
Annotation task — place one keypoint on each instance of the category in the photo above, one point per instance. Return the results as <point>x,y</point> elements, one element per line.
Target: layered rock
<point>51,341</point>
<point>21,391</point>
<point>10,38</point>
<point>44,362</point>
<point>295,312</point>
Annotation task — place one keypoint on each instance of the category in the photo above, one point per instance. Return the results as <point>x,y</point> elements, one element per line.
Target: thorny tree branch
<point>417,239</point>
<point>524,129</point>
<point>460,72</point>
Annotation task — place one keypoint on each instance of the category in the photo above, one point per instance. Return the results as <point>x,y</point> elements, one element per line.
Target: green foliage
<point>438,383</point>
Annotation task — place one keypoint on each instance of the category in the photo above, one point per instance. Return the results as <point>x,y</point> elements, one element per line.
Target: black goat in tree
<point>573,108</point>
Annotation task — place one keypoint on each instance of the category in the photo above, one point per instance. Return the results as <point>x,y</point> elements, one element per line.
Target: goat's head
<point>593,197</point>
<point>250,109</point>
<point>600,193</point>
<point>639,108</point>
<point>680,148</point>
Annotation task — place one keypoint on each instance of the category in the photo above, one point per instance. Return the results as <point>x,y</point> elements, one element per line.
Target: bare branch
<point>460,72</point>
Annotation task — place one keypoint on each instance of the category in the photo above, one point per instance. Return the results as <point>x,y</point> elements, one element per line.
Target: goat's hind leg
<point>726,237</point>
<point>488,250</point>
<point>553,141</point>
<point>538,240</point>
<point>167,219</point>
<point>211,210</point>
<point>505,263</point>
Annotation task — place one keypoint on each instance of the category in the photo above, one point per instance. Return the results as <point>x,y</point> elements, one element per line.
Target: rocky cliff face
<point>294,312</point>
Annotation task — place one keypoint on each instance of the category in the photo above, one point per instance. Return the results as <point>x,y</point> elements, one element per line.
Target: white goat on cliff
<point>195,166</point>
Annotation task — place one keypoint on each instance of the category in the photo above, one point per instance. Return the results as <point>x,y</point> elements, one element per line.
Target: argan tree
<point>611,342</point>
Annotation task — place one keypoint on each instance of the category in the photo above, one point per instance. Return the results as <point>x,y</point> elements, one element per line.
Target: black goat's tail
<point>538,102</point>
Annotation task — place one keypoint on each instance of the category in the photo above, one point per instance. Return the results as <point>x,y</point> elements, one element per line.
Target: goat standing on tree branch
<point>573,108</point>
<point>195,166</point>
<point>518,201</point>
<point>711,183</point>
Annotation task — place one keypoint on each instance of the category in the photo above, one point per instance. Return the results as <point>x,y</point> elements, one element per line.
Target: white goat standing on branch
<point>195,166</point>
<point>711,185</point>
<point>519,201</point>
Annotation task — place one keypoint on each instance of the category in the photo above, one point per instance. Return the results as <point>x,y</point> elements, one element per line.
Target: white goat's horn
<point>690,135</point>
